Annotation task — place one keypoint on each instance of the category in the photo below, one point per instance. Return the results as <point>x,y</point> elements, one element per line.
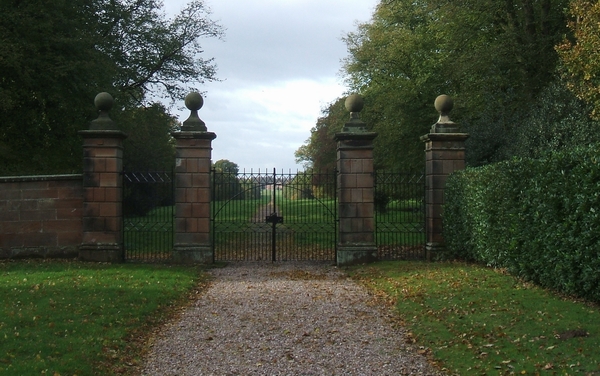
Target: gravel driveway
<point>302,318</point>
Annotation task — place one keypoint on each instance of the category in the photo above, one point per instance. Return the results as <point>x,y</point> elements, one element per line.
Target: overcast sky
<point>280,63</point>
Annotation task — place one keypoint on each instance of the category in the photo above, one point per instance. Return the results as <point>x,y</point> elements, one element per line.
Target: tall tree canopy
<point>149,145</point>
<point>227,166</point>
<point>226,184</point>
<point>496,58</point>
<point>56,56</point>
<point>493,56</point>
<point>319,151</point>
<point>580,54</point>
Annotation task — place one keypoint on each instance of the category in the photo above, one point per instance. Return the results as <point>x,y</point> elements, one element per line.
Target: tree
<point>149,51</point>
<point>300,187</point>
<point>148,149</point>
<point>580,53</point>
<point>149,145</point>
<point>225,165</point>
<point>55,57</point>
<point>319,151</point>
<point>558,121</point>
<point>493,56</point>
<point>389,64</point>
<point>226,184</point>
<point>47,79</point>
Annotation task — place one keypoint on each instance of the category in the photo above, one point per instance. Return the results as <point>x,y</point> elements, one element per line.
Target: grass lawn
<point>312,222</point>
<point>473,320</point>
<point>73,318</point>
<point>308,229</point>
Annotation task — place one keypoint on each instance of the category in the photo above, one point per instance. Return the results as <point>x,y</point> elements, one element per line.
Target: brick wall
<point>40,216</point>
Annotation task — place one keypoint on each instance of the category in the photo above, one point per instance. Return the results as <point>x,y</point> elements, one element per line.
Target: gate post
<point>444,154</point>
<point>356,232</point>
<point>102,187</point>
<point>192,187</point>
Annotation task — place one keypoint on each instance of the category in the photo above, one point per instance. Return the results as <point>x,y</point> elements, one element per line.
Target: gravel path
<point>283,319</point>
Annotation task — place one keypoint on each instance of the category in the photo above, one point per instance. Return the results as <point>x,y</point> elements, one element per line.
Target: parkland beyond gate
<point>200,214</point>
<point>274,215</point>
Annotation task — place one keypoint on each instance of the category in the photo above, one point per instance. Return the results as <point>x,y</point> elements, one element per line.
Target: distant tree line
<point>525,77</point>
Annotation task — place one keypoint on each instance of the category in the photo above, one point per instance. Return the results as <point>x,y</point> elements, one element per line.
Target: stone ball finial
<point>103,101</point>
<point>194,101</point>
<point>443,104</point>
<point>354,103</point>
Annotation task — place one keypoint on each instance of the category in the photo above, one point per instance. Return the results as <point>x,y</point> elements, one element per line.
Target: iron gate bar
<point>400,215</point>
<point>302,184</point>
<point>148,215</point>
<point>229,189</point>
<point>248,223</point>
<point>273,219</point>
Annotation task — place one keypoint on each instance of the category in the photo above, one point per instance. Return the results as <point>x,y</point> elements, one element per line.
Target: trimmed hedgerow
<point>540,219</point>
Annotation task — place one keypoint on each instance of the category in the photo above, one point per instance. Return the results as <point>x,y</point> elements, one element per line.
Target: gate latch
<point>274,218</point>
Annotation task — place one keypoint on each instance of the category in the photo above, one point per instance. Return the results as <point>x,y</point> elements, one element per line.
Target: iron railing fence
<point>400,215</point>
<point>274,216</point>
<point>270,215</point>
<point>148,216</point>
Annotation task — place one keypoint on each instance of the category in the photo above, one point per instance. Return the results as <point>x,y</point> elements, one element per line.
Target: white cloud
<point>279,64</point>
<point>274,120</point>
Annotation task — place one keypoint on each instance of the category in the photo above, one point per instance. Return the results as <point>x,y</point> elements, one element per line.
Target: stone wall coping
<point>102,133</point>
<point>352,136</point>
<point>33,178</point>
<point>194,135</point>
<point>445,137</point>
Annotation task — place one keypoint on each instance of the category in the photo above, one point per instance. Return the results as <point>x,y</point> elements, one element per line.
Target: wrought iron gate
<point>400,215</point>
<point>274,216</point>
<point>148,212</point>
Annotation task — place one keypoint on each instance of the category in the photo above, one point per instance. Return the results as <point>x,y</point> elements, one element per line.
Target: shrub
<point>538,218</point>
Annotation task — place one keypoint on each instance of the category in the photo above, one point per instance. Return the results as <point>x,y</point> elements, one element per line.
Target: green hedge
<point>540,219</point>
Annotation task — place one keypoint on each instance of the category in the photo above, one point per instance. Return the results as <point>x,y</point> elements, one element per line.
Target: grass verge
<point>73,318</point>
<point>473,320</point>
